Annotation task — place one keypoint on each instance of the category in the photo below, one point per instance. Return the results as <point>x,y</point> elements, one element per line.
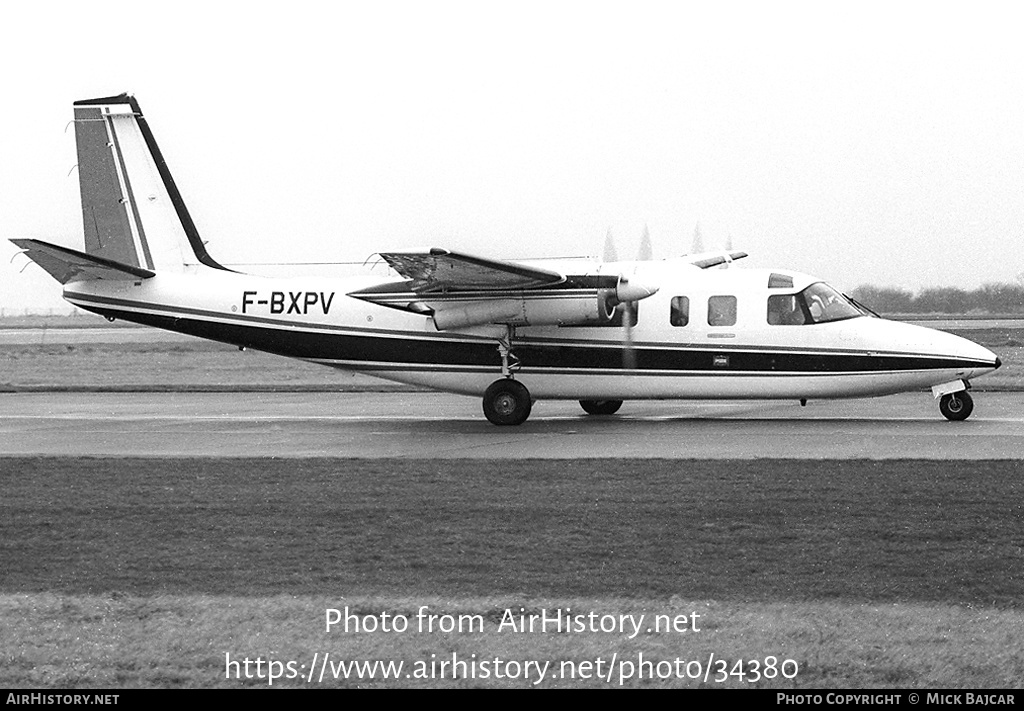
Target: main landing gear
<point>956,406</point>
<point>507,401</point>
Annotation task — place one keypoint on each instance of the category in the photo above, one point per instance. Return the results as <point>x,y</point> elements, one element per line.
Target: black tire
<point>956,406</point>
<point>507,402</point>
<point>601,407</point>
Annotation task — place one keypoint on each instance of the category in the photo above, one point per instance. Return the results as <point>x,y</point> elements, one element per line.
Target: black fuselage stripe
<point>106,302</point>
<point>537,341</point>
<point>372,348</point>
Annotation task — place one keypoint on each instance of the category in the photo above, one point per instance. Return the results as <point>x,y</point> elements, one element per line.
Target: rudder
<point>132,211</point>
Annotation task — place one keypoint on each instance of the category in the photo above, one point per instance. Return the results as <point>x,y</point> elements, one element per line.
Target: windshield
<point>818,303</point>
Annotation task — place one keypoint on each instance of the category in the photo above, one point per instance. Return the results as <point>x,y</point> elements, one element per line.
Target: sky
<point>860,142</point>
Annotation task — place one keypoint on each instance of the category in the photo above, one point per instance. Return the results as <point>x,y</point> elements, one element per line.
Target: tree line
<point>987,299</point>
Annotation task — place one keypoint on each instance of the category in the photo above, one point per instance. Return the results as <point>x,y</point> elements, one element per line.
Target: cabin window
<point>680,312</point>
<point>722,311</point>
<point>780,281</point>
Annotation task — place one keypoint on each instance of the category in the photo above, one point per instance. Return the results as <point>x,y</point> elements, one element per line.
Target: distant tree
<point>1001,298</point>
<point>943,300</point>
<point>990,298</point>
<point>885,300</point>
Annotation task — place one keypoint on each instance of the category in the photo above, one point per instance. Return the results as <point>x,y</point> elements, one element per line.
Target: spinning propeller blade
<point>628,310</point>
<point>628,292</point>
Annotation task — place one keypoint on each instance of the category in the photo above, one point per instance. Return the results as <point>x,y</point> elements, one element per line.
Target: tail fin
<point>132,211</point>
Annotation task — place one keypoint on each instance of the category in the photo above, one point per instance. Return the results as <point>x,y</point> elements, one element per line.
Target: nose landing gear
<point>956,406</point>
<point>601,407</point>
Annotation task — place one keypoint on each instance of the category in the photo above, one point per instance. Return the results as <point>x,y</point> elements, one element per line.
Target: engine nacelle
<point>594,307</point>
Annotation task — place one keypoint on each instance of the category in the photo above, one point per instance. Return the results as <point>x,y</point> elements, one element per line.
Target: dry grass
<point>63,641</point>
<point>180,366</point>
<point>868,574</point>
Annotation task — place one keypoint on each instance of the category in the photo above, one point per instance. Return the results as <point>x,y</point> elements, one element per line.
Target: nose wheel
<point>956,406</point>
<point>507,402</point>
<point>601,407</point>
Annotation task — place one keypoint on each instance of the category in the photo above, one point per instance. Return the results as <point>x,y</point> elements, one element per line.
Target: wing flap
<point>67,265</point>
<point>441,270</point>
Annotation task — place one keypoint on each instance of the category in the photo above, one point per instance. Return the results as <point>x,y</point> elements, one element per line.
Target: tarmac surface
<point>438,426</point>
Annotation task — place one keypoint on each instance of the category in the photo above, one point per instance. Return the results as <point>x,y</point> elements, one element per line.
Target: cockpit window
<point>786,310</point>
<point>818,303</point>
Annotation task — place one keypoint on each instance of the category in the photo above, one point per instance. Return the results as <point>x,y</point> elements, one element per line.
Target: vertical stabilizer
<point>131,209</point>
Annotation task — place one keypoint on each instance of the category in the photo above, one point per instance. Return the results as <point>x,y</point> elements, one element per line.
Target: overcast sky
<point>861,142</point>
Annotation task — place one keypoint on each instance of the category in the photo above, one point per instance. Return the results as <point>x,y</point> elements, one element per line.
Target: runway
<point>434,425</point>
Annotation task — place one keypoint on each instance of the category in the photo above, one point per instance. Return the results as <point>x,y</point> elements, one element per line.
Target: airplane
<point>508,332</point>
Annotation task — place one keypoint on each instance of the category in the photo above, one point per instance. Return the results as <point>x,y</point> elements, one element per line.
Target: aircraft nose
<point>999,362</point>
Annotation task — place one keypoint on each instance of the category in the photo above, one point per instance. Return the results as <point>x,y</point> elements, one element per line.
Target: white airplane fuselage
<point>316,320</point>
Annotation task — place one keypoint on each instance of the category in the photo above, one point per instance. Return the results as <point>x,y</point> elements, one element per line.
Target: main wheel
<point>956,406</point>
<point>601,407</point>
<point>507,402</point>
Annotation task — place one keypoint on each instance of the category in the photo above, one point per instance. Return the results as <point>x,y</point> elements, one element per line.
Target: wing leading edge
<point>441,270</point>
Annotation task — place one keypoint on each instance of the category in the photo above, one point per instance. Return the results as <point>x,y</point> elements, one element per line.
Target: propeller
<point>631,290</point>
<point>628,291</point>
<point>628,351</point>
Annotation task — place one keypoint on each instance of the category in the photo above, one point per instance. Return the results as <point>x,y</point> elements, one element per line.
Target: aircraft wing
<point>461,291</point>
<point>706,260</point>
<point>66,265</point>
<point>441,270</point>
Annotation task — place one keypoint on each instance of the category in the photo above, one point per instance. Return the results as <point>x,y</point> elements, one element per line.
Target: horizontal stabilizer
<point>66,265</point>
